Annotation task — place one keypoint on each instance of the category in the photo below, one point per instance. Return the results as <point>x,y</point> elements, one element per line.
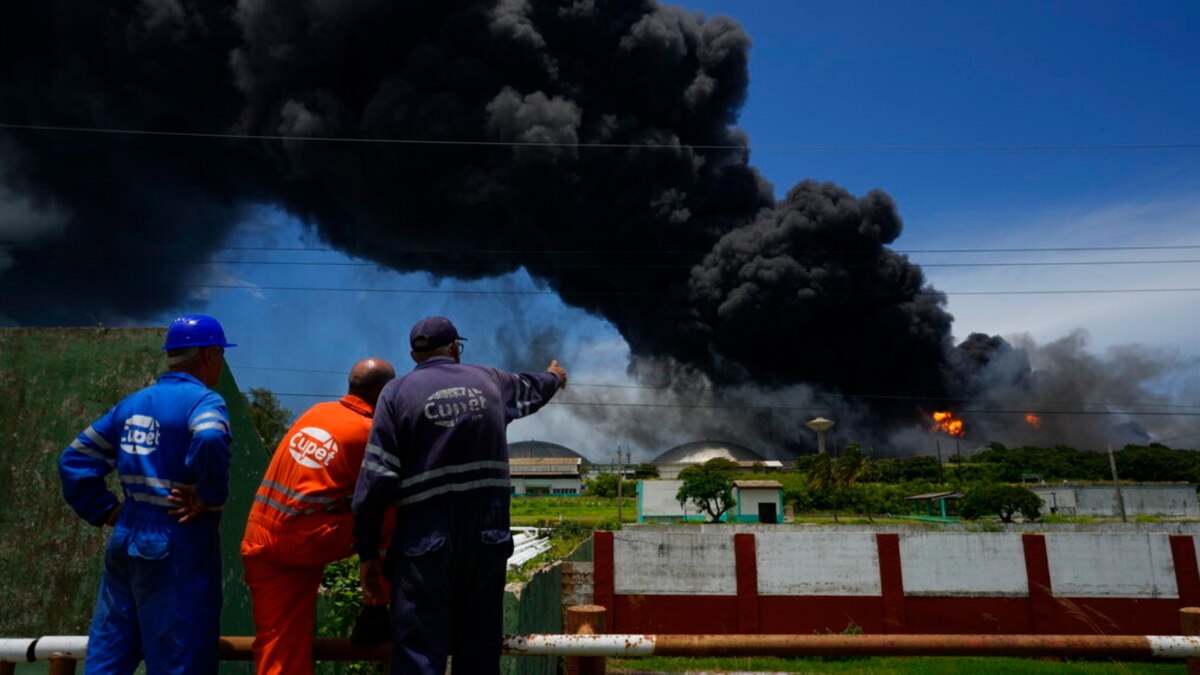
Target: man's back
<point>316,463</point>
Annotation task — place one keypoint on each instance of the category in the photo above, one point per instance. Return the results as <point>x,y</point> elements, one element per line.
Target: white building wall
<point>945,563</point>
<point>1107,565</point>
<point>672,562</point>
<point>658,500</point>
<point>818,563</point>
<point>521,484</point>
<point>748,500</point>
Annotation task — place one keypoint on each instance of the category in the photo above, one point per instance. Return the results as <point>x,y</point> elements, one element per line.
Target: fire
<point>1033,420</point>
<point>945,421</point>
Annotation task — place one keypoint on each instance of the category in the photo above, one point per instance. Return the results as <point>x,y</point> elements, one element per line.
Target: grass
<point>897,666</point>
<point>591,511</point>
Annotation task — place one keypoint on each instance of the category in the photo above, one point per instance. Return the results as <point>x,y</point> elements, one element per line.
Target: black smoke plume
<point>592,143</point>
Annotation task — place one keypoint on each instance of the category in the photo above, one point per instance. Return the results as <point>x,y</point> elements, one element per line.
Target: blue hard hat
<point>195,330</point>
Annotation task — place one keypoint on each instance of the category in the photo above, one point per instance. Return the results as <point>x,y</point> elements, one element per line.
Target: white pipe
<point>580,645</point>
<point>70,646</point>
<point>15,650</point>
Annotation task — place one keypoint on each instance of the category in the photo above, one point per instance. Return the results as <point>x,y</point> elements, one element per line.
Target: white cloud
<point>1168,319</point>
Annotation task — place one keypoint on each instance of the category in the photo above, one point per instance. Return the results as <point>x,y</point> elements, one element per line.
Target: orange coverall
<point>299,523</point>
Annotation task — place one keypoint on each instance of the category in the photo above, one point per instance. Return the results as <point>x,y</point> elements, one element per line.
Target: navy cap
<point>432,332</point>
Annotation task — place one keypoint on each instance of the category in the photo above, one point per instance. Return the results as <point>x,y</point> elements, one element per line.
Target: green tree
<point>709,486</point>
<point>1002,500</point>
<point>645,470</point>
<point>822,475</point>
<point>271,419</point>
<point>851,466</point>
<point>605,485</point>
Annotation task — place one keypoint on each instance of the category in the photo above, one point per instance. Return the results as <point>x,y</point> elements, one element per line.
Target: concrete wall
<point>800,579</point>
<point>1170,499</point>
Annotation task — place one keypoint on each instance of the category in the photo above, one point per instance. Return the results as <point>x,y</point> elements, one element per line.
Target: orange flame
<point>1033,420</point>
<point>946,422</point>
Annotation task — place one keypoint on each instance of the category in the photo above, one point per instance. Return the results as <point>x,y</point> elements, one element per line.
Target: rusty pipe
<point>1099,646</point>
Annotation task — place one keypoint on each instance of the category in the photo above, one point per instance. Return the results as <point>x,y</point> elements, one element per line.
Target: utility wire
<point>889,397</point>
<point>523,251</point>
<point>808,409</point>
<point>1037,147</point>
<point>574,293</point>
<point>619,266</point>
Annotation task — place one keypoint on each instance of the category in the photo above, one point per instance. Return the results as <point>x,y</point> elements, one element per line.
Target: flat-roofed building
<point>538,468</point>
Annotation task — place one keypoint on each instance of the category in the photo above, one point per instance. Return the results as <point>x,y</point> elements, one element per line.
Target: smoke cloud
<point>593,144</point>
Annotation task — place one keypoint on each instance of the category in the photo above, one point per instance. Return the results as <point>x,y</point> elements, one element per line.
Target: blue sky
<point>959,110</point>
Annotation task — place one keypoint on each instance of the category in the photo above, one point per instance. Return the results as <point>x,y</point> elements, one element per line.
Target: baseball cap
<point>432,332</point>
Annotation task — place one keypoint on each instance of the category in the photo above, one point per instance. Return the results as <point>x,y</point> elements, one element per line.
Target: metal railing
<point>587,647</point>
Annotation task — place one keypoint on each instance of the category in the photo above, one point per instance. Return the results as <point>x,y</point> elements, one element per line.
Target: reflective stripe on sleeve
<point>379,455</point>
<point>97,438</point>
<point>200,422</point>
<point>373,466</point>
<point>95,454</point>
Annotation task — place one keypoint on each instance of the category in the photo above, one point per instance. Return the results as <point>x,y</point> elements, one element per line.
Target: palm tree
<point>851,467</point>
<point>823,479</point>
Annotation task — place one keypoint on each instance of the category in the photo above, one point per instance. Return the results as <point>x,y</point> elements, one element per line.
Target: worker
<point>438,452</point>
<point>300,520</point>
<point>160,594</point>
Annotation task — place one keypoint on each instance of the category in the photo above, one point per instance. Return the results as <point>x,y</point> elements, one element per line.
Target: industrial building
<point>538,468</point>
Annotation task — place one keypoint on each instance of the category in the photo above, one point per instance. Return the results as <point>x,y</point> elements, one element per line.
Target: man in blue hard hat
<point>160,596</point>
<point>437,450</point>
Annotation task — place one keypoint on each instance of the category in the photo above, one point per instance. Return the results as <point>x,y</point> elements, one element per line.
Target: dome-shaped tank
<point>699,452</point>
<point>542,449</point>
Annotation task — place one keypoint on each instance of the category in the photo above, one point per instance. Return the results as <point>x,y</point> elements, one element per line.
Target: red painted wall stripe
<point>745,560</point>
<point>602,568</point>
<point>1037,573</point>
<point>1187,576</point>
<point>891,581</point>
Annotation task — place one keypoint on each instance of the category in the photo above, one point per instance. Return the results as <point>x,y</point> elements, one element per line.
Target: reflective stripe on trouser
<point>159,600</point>
<point>285,608</point>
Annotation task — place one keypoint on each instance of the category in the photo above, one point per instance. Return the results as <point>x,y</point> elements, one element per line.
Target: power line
<point>1039,147</point>
<point>600,266</point>
<point>808,409</point>
<point>524,251</point>
<point>576,293</point>
<point>885,397</point>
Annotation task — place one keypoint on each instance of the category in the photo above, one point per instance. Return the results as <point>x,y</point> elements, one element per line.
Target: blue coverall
<point>160,596</point>
<point>438,451</point>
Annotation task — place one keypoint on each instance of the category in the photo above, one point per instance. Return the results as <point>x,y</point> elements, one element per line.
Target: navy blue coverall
<point>160,596</point>
<point>438,451</point>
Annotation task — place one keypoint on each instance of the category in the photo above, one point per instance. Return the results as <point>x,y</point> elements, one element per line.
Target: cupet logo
<point>313,447</point>
<point>140,436</point>
<point>448,407</point>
